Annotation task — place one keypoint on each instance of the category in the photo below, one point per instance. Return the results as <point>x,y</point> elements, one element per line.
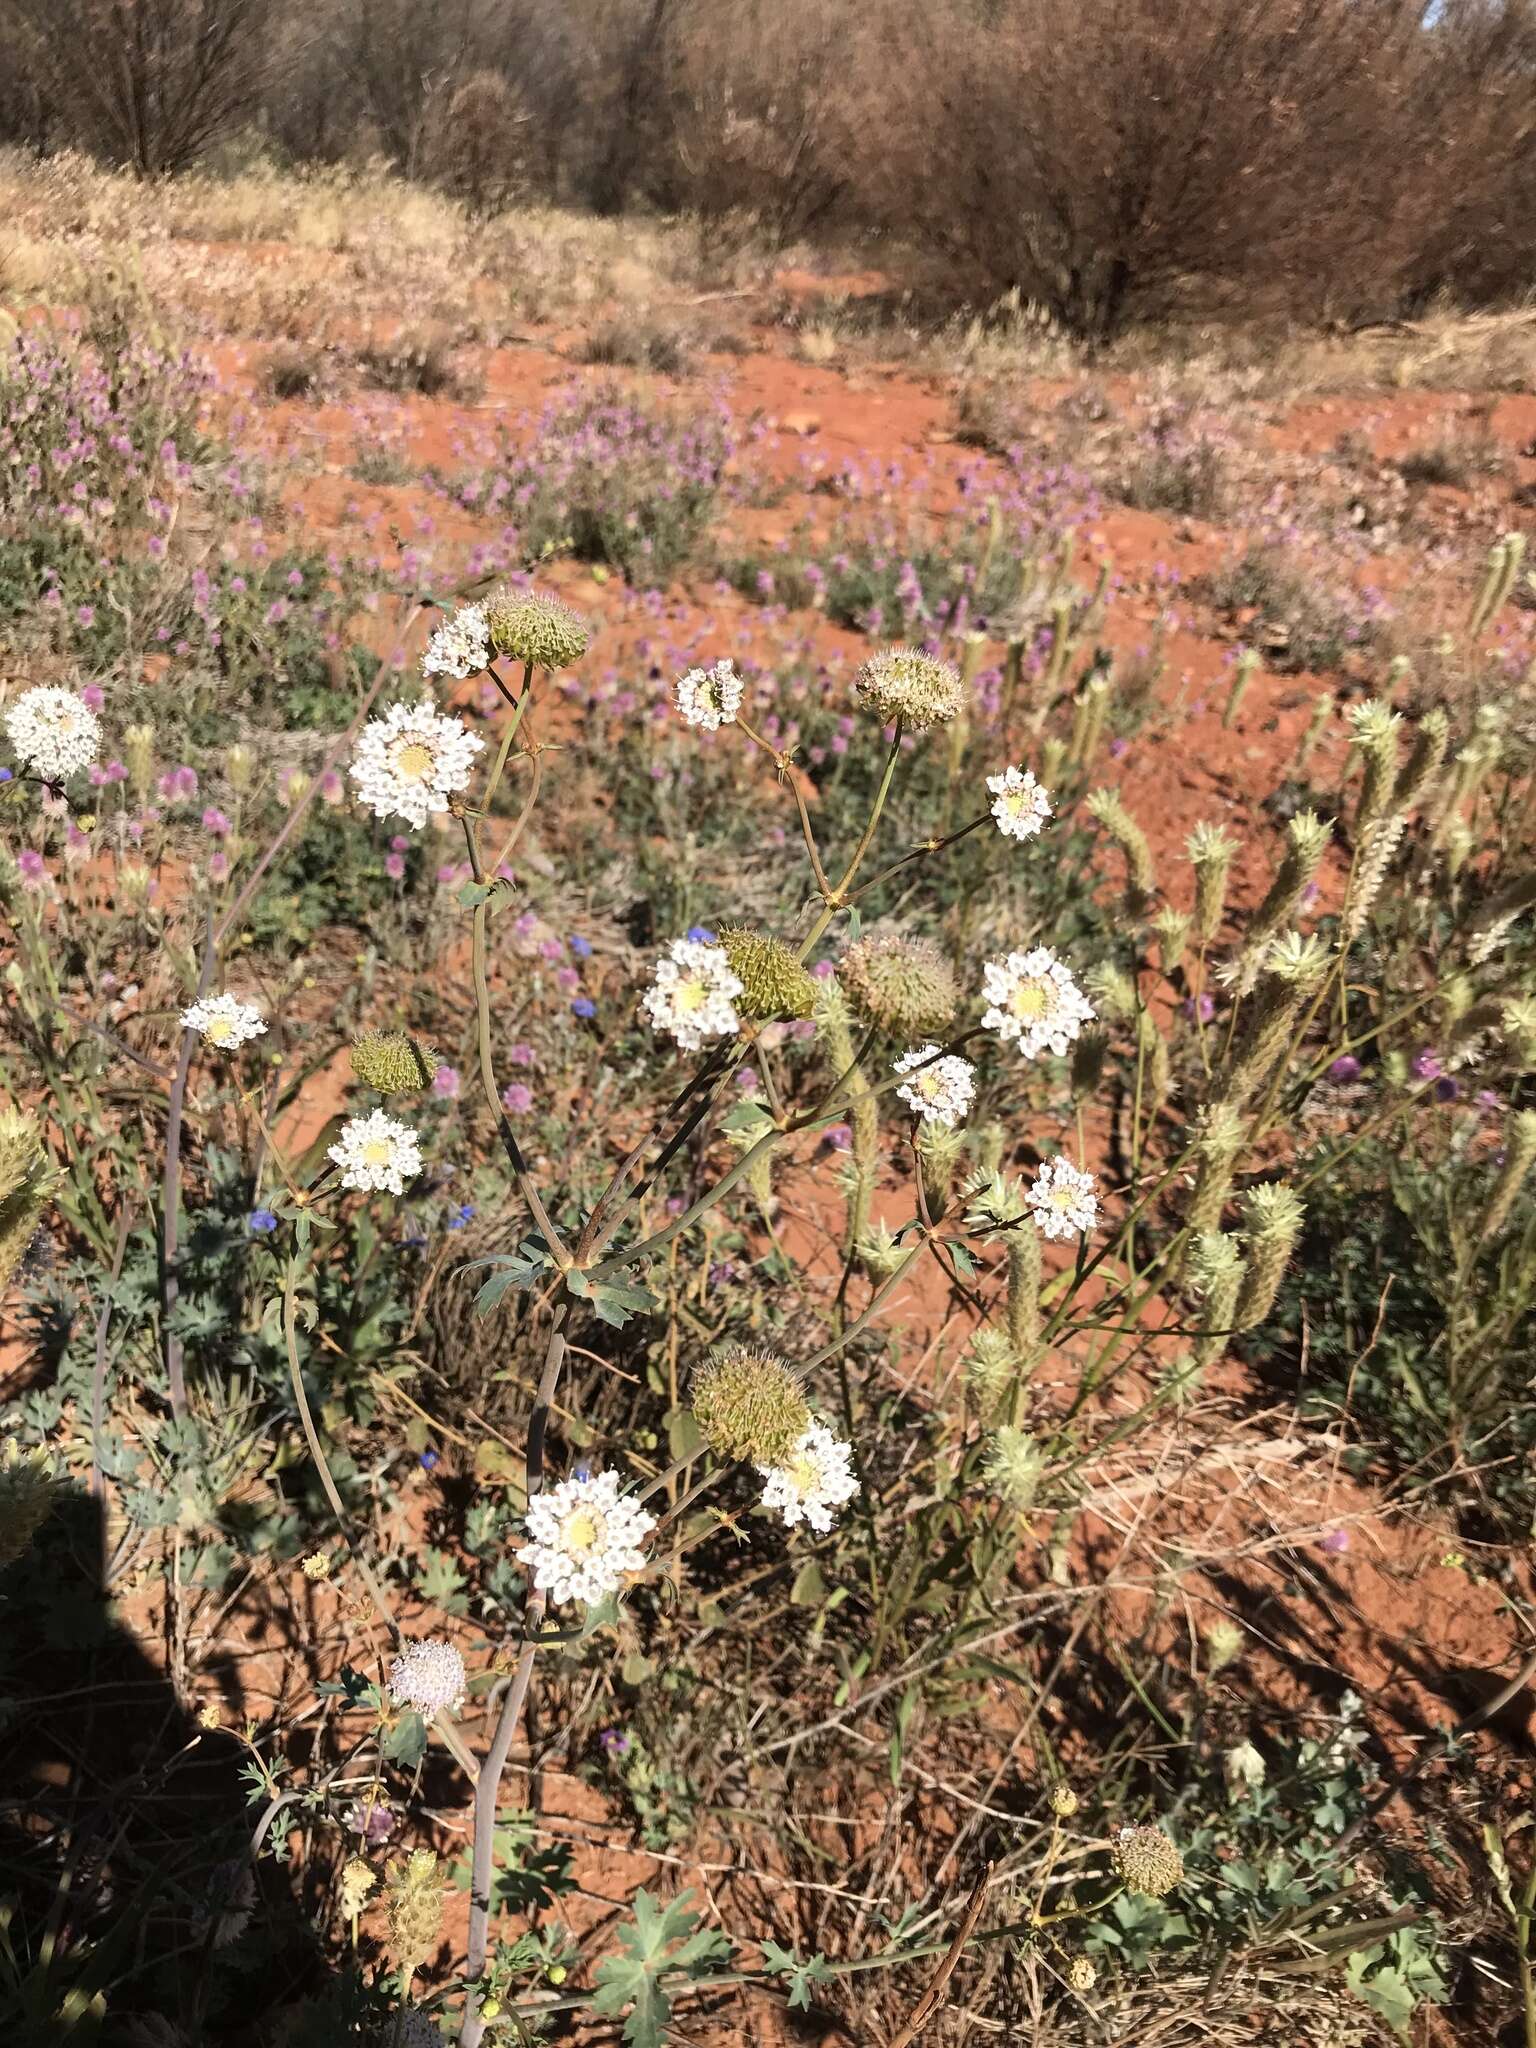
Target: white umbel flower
<point>1064,1200</point>
<point>1034,1002</point>
<point>1019,804</point>
<point>376,1152</point>
<point>941,1093</point>
<point>709,697</point>
<point>693,997</point>
<point>223,1021</point>
<point>53,732</point>
<point>428,1677</point>
<point>584,1536</point>
<point>817,1479</point>
<point>409,762</point>
<point>461,646</point>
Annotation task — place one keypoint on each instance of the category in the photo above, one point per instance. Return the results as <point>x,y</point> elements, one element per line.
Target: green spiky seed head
<point>139,756</point>
<point>904,986</point>
<point>28,1484</point>
<point>900,683</point>
<point>1081,1975</point>
<point>1013,1465</point>
<point>749,1405</point>
<point>878,1252</point>
<point>1145,1861</point>
<point>991,1364</point>
<point>392,1062</point>
<point>1224,1642</point>
<point>416,1894</point>
<point>1064,1802</point>
<point>773,982</point>
<point>25,1179</point>
<point>530,626</point>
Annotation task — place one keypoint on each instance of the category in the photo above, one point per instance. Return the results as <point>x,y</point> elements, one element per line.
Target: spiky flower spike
<point>139,757</point>
<point>1307,837</point>
<point>1172,928</point>
<point>1376,727</point>
<point>531,627</point>
<point>750,1405</point>
<point>773,982</point>
<point>25,1177</point>
<point>415,1910</point>
<point>1216,1269</point>
<point>918,689</point>
<point>1424,758</point>
<point>1519,1158</point>
<point>392,1062</point>
<point>1107,809</point>
<point>27,1488</point>
<point>1145,1861</point>
<point>1217,1145</point>
<point>1272,1214</point>
<point>1210,851</point>
<point>1012,1467</point>
<point>905,986</point>
<point>1292,966</point>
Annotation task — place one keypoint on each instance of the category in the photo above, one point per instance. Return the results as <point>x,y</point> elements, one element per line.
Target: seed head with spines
<point>1145,1861</point>
<point>919,690</point>
<point>750,1405</point>
<point>392,1062</point>
<point>904,986</point>
<point>774,984</point>
<point>534,628</point>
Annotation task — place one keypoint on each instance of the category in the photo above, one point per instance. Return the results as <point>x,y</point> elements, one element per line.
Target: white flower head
<point>584,1536</point>
<point>694,994</point>
<point>461,646</point>
<point>376,1152</point>
<point>1019,804</point>
<point>428,1677</point>
<point>409,762</point>
<point>223,1021</point>
<point>1064,1200</point>
<point>1034,1002</point>
<point>940,1090</point>
<point>709,697</point>
<point>817,1479</point>
<point>53,732</point>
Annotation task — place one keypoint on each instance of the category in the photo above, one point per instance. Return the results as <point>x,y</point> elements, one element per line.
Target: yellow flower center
<point>1030,999</point>
<point>221,1029</point>
<point>583,1531</point>
<point>803,1475</point>
<point>378,1152</point>
<point>414,761</point>
<point>691,996</point>
<point>1063,1198</point>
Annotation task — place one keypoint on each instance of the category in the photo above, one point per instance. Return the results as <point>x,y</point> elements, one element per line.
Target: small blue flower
<point>581,947</point>
<point>461,1215</point>
<point>583,1007</point>
<point>5,775</point>
<point>261,1221</point>
<point>428,1461</point>
<point>583,1473</point>
<point>702,934</point>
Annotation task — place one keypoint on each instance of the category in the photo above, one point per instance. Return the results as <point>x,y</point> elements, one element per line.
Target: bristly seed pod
<point>774,984</point>
<point>528,626</point>
<point>901,683</point>
<point>905,986</point>
<point>750,1405</point>
<point>1145,1861</point>
<point>393,1062</point>
<point>28,1489</point>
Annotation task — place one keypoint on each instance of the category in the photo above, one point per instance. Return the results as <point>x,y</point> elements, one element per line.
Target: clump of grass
<point>634,344</point>
<point>418,365</point>
<point>292,372</point>
<point>1300,623</point>
<point>1175,471</point>
<point>1456,462</point>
